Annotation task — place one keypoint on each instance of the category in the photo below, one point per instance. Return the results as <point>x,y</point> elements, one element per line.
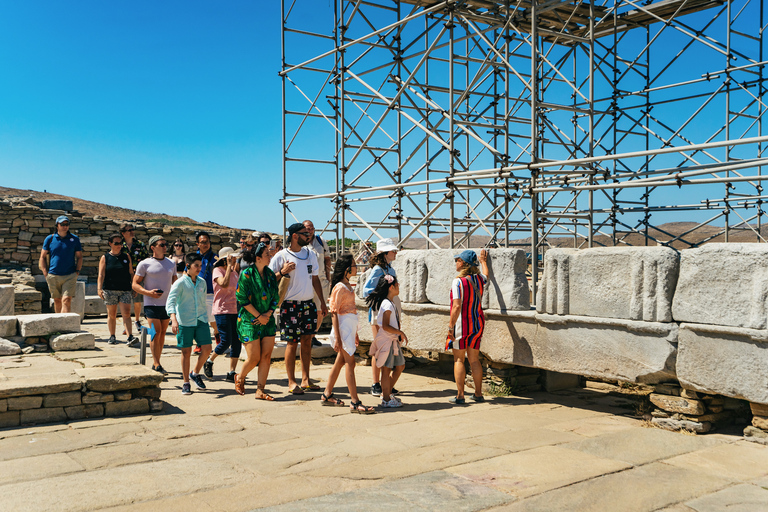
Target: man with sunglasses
<point>138,252</point>
<point>60,262</point>
<point>298,312</point>
<point>153,279</point>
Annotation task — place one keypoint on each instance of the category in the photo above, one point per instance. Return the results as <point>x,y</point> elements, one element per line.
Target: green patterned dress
<point>260,292</point>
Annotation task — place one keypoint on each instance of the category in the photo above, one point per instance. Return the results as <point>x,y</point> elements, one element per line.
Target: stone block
<point>73,341</point>
<point>411,270</point>
<point>92,397</point>
<point>155,405</point>
<point>668,389</point>
<point>40,384</point>
<point>57,204</point>
<point>79,412</point>
<point>729,361</point>
<point>118,378</point>
<point>723,284</point>
<point>151,392</point>
<point>19,403</point>
<point>760,422</point>
<point>122,395</point>
<point>7,299</point>
<point>135,406</point>
<point>675,425</point>
<point>361,280</point>
<point>94,306</point>
<point>46,324</point>
<point>759,409</point>
<point>507,288</point>
<point>556,381</point>
<point>678,404</point>
<point>78,301</point>
<point>9,348</point>
<point>614,349</point>
<point>9,419</point>
<point>631,283</point>
<point>49,415</point>
<point>8,326</point>
<point>62,399</point>
<point>751,433</point>
<point>3,405</point>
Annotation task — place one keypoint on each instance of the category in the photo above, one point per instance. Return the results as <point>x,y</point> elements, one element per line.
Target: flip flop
<point>296,391</point>
<point>311,387</point>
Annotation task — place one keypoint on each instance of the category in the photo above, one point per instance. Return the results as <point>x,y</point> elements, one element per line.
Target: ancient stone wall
<point>23,228</point>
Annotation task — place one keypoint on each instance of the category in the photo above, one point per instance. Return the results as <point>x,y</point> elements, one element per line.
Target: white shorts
<point>209,307</point>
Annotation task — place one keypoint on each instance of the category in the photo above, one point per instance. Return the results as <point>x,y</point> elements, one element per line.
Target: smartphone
<point>273,244</point>
<point>159,291</point>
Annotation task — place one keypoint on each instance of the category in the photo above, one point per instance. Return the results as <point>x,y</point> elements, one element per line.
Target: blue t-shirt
<point>62,253</point>
<point>206,271</point>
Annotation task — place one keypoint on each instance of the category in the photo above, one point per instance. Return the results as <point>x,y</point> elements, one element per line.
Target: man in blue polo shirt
<point>206,273</point>
<point>60,262</point>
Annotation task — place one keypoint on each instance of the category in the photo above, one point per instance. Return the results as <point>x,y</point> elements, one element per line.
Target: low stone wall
<point>86,393</point>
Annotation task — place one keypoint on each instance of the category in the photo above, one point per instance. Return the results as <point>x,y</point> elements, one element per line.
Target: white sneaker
<point>392,403</point>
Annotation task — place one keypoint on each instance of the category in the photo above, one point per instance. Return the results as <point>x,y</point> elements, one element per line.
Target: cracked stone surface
<point>569,450</point>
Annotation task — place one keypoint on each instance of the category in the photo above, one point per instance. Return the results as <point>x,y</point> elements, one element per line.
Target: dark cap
<point>295,228</point>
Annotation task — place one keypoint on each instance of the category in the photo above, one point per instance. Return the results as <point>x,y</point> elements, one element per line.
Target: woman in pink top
<point>344,334</point>
<point>225,312</point>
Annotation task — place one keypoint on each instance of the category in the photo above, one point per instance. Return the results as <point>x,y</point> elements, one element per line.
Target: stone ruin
<point>694,324</point>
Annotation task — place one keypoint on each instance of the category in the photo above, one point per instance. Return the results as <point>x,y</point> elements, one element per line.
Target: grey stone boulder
<point>46,324</point>
<point>630,283</point>
<point>72,341</point>
<point>7,299</point>
<point>94,306</point>
<point>57,204</point>
<point>9,348</point>
<point>606,348</point>
<point>78,301</point>
<point>361,280</point>
<point>411,270</point>
<point>723,284</point>
<point>8,326</point>
<point>118,378</point>
<point>728,361</point>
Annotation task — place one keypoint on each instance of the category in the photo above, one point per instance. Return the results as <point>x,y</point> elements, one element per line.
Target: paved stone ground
<point>218,451</point>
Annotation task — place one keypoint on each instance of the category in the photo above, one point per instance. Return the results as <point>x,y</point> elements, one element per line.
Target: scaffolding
<point>526,121</point>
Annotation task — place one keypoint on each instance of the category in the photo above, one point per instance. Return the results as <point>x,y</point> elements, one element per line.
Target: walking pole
<point>143,349</point>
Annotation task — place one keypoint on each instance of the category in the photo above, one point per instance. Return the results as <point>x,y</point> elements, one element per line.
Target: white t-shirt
<point>387,305</point>
<point>158,275</point>
<point>300,286</point>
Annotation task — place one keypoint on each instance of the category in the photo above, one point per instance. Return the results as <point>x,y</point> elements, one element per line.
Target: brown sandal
<point>239,384</point>
<point>264,396</point>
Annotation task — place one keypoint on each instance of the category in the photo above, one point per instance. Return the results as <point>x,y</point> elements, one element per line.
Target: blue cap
<point>62,218</point>
<point>469,257</point>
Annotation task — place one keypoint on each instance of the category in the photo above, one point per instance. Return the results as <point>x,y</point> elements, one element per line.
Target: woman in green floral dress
<point>257,297</point>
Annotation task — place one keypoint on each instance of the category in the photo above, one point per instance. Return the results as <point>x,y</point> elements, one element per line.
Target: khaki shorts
<point>62,286</point>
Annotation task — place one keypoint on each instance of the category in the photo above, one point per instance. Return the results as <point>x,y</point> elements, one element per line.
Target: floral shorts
<point>297,318</point>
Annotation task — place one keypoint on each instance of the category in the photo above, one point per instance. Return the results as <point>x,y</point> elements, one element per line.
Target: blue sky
<point>170,107</point>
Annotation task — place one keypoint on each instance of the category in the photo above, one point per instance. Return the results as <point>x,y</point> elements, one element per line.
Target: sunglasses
<point>303,233</point>
<point>128,230</point>
<point>178,245</point>
<point>64,224</point>
<point>162,245</point>
<point>116,243</point>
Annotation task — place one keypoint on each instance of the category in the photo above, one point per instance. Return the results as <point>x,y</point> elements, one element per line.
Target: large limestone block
<point>46,324</point>
<point>7,299</point>
<point>117,378</point>
<point>631,283</point>
<point>73,341</point>
<point>507,288</point>
<point>411,271</point>
<point>627,350</point>
<point>94,306</point>
<point>723,284</point>
<point>361,280</point>
<point>78,301</point>
<point>8,326</point>
<point>40,384</point>
<point>729,361</point>
<point>9,348</point>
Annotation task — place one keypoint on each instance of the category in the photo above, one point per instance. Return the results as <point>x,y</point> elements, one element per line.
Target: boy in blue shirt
<point>189,320</point>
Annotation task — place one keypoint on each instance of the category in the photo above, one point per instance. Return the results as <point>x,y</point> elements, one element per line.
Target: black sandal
<point>330,400</point>
<point>356,408</point>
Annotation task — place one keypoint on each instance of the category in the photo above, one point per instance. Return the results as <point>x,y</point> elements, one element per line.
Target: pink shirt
<point>224,300</point>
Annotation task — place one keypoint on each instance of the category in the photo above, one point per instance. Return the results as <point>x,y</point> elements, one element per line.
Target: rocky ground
<point>218,451</point>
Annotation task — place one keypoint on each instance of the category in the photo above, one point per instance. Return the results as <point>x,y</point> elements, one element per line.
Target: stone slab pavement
<point>218,451</point>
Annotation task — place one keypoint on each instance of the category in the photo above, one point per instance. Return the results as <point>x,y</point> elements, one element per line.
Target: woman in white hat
<point>386,252</point>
